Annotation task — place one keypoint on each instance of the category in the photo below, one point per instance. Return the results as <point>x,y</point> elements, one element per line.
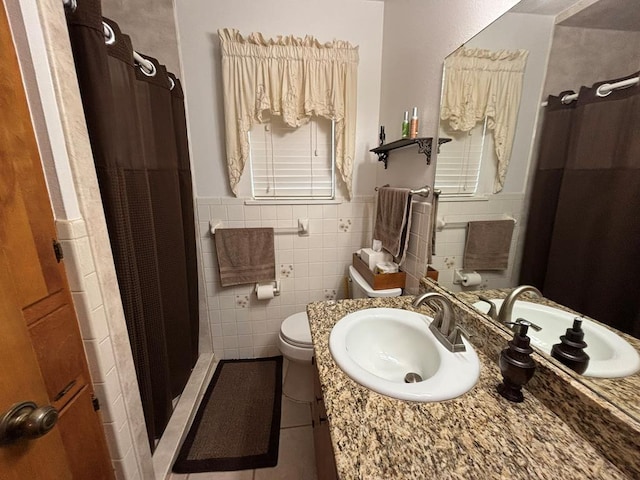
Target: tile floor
<point>296,458</point>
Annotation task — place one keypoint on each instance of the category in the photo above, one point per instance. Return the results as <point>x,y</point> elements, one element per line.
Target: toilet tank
<point>361,289</point>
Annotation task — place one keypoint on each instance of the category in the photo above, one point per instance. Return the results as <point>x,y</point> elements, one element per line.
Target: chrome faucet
<point>506,310</point>
<point>443,325</point>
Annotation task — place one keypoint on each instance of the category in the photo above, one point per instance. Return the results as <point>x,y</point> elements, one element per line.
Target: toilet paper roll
<point>265,292</point>
<point>471,279</point>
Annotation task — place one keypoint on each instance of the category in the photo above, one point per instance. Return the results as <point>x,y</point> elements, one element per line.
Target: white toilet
<point>296,346</point>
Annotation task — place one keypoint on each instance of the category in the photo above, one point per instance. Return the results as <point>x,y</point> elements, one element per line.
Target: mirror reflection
<point>563,173</point>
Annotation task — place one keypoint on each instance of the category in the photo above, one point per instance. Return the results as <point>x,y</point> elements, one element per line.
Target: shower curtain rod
<point>602,91</point>
<point>147,67</point>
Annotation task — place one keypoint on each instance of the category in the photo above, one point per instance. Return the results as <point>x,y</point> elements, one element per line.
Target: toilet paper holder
<point>460,276</point>
<point>276,287</point>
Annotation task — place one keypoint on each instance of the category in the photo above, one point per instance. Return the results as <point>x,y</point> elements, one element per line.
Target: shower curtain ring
<point>71,4</point>
<point>109,34</point>
<point>149,65</point>
<point>604,90</point>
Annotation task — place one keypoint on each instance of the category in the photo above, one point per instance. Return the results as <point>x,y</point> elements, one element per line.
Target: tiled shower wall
<point>98,344</point>
<point>450,241</point>
<point>311,268</point>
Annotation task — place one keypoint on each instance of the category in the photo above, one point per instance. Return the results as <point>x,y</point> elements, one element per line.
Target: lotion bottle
<point>413,126</point>
<point>405,125</point>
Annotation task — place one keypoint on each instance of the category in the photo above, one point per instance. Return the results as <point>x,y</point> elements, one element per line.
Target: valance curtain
<point>481,83</point>
<point>292,77</point>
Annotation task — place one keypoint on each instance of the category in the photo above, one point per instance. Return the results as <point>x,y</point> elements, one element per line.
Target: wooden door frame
<point>29,21</point>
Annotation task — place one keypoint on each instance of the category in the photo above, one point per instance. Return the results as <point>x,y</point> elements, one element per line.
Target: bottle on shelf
<point>413,125</point>
<point>405,125</point>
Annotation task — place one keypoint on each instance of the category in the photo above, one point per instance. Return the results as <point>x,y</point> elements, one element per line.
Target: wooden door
<point>41,353</point>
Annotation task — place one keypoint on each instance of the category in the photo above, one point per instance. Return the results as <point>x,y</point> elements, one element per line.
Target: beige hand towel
<point>393,220</point>
<point>245,255</point>
<point>488,245</point>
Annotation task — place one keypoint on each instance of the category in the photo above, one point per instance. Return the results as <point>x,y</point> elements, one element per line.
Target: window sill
<point>474,198</point>
<point>283,201</point>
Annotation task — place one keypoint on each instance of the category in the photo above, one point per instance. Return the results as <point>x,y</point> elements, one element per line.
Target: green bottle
<point>405,125</point>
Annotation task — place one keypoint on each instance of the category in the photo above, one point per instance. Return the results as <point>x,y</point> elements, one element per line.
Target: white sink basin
<point>610,355</point>
<point>378,347</point>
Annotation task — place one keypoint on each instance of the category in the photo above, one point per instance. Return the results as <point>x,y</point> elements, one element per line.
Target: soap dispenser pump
<point>570,350</point>
<point>516,364</point>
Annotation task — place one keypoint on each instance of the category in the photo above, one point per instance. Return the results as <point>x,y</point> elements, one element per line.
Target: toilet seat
<point>295,330</point>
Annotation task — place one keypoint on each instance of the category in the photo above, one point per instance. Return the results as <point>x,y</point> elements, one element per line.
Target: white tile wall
<point>311,268</point>
<point>450,241</point>
<point>94,329</point>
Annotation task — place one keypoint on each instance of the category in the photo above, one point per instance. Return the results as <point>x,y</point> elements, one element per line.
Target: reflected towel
<point>245,255</point>
<point>393,220</point>
<point>488,245</point>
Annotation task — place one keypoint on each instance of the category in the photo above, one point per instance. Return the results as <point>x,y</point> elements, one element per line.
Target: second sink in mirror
<point>610,355</point>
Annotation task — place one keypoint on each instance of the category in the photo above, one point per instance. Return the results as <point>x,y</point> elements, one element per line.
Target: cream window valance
<point>481,83</point>
<point>292,77</point>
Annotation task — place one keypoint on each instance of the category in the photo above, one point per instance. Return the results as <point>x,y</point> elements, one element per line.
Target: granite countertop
<point>621,391</point>
<point>478,435</point>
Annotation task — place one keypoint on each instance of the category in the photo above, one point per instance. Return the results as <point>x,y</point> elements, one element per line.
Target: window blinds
<point>458,165</point>
<point>291,162</point>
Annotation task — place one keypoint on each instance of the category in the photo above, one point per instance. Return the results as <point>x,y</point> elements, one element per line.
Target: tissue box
<point>371,257</point>
<point>380,281</point>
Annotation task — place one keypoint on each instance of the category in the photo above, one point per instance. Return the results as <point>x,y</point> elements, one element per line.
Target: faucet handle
<point>493,313</point>
<point>523,321</point>
<point>454,340</point>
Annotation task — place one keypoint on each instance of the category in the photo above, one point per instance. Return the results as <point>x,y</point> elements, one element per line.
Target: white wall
<point>356,21</point>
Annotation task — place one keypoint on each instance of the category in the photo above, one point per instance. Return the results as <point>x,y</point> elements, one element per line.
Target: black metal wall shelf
<point>424,146</point>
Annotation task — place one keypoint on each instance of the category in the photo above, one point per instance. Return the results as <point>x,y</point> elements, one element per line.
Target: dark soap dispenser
<point>516,364</point>
<point>570,350</point>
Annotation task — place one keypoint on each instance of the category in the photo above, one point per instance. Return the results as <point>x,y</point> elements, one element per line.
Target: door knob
<point>26,420</point>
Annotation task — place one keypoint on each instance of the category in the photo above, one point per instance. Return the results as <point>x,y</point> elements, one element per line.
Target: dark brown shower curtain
<point>138,135</point>
<point>582,246</point>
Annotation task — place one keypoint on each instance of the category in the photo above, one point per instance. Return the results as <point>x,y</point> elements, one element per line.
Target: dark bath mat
<point>237,426</point>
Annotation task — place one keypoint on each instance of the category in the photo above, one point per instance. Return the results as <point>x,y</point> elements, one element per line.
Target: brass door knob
<point>26,420</point>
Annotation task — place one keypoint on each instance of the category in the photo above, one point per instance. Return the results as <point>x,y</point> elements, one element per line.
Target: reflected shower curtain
<point>582,246</point>
<point>138,135</point>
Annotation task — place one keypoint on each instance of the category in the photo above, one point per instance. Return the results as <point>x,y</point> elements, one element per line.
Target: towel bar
<point>442,222</point>
<point>423,191</point>
<point>302,229</point>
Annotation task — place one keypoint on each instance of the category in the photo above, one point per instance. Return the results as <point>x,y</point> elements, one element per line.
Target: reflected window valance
<point>296,78</point>
<point>482,83</point>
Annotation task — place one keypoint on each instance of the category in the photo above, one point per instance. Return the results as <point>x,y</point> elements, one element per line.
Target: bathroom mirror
<point>563,55</point>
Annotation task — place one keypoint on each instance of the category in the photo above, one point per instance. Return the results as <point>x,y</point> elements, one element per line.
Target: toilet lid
<point>295,329</point>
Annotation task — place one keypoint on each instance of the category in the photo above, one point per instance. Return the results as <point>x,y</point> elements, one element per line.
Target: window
<point>292,163</point>
<point>459,161</point>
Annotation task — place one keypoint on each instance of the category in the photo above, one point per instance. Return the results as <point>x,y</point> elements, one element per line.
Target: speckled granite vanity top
<point>477,436</point>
